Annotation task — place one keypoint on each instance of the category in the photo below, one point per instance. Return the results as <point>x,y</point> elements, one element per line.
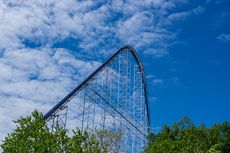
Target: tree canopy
<point>185,137</point>
<point>32,135</point>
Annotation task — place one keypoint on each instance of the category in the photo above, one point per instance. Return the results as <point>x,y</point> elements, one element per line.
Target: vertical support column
<point>58,119</point>
<point>88,111</point>
<point>123,92</point>
<point>103,85</point>
<point>83,111</point>
<point>114,88</point>
<point>139,105</point>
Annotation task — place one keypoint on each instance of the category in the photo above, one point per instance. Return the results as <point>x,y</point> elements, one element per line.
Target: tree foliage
<point>32,135</point>
<point>109,140</point>
<point>185,137</point>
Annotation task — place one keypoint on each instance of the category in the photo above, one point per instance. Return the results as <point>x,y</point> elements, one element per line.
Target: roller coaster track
<point>113,97</point>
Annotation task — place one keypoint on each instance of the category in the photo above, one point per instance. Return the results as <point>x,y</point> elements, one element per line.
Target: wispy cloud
<point>157,82</point>
<point>224,37</point>
<point>180,16</point>
<point>36,78</point>
<point>96,26</point>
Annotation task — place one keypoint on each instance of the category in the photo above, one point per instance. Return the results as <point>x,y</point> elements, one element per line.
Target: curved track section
<point>113,97</point>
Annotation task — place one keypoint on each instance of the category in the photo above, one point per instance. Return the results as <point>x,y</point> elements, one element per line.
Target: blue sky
<point>195,74</point>
<point>48,47</point>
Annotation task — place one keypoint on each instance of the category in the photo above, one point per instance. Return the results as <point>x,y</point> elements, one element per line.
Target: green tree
<point>83,142</point>
<point>109,140</point>
<point>185,137</point>
<point>33,136</point>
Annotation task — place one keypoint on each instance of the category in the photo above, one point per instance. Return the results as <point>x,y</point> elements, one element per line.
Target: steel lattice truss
<point>113,97</point>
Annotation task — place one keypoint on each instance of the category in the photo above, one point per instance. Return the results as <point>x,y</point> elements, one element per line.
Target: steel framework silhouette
<point>113,97</point>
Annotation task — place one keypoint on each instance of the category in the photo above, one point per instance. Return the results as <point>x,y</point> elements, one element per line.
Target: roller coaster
<point>114,97</point>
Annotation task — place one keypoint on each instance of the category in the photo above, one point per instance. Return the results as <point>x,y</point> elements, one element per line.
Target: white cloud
<point>158,81</point>
<point>11,108</point>
<point>36,78</point>
<point>96,25</point>
<point>224,37</point>
<point>156,52</point>
<point>153,99</point>
<point>180,16</point>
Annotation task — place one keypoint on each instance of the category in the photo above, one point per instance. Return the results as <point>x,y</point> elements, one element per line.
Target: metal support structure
<point>114,97</point>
